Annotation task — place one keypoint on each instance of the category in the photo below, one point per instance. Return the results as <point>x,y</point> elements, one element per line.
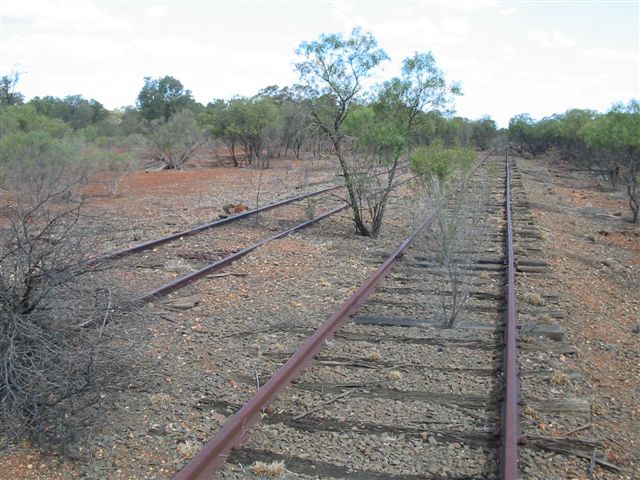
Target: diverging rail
<point>140,247</point>
<point>214,267</point>
<point>114,255</point>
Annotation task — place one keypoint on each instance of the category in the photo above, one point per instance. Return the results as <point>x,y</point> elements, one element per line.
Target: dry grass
<point>178,265</point>
<point>394,376</point>
<point>188,449</point>
<point>530,412</point>
<point>485,276</point>
<point>262,469</point>
<point>159,399</point>
<point>545,319</point>
<point>374,357</point>
<point>560,378</point>
<point>534,298</point>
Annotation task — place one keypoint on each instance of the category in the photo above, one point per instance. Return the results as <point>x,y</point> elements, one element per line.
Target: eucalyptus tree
<point>160,98</point>
<point>483,131</point>
<point>334,71</point>
<point>247,124</point>
<point>337,74</point>
<point>218,120</point>
<point>75,110</point>
<point>292,127</point>
<point>617,135</point>
<point>530,136</point>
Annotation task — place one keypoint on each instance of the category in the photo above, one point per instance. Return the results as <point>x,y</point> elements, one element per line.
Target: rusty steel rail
<point>510,408</point>
<point>214,453</point>
<point>220,264</point>
<point>114,255</point>
<point>214,267</point>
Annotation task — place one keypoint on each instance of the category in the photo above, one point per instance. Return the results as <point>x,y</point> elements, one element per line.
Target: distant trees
<point>528,135</point>
<point>292,129</point>
<point>566,132</point>
<point>73,109</point>
<point>256,129</point>
<point>25,118</point>
<point>8,94</point>
<point>160,98</point>
<point>608,142</point>
<point>616,136</point>
<point>454,131</point>
<point>483,132</point>
<point>72,123</point>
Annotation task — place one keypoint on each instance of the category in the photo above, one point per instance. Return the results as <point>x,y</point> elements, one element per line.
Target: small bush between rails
<point>457,229</point>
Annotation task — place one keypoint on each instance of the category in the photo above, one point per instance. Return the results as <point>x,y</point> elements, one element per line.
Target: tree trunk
<point>233,154</point>
<point>634,200</point>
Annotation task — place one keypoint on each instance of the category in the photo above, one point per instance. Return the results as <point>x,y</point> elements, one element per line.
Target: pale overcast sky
<point>511,57</point>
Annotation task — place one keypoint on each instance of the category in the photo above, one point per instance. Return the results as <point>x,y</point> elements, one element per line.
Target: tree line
<point>605,143</point>
<point>273,123</point>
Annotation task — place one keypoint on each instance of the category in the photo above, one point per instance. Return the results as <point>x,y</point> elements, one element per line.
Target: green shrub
<point>439,162</point>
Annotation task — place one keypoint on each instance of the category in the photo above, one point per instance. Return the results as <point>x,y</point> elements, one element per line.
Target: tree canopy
<point>160,98</point>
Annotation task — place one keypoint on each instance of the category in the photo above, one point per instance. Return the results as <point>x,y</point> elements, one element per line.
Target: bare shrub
<point>177,140</point>
<point>457,231</point>
<point>60,348</point>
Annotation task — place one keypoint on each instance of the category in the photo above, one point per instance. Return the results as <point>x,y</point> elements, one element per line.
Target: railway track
<point>188,255</point>
<point>390,355</point>
<point>153,243</point>
<point>392,394</point>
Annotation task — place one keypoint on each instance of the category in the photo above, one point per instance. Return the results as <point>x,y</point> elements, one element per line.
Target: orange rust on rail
<point>510,411</point>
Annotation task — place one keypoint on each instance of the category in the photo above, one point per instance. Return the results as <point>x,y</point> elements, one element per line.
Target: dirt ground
<point>593,251</point>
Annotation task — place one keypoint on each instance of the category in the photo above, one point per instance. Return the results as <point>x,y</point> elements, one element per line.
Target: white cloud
<point>29,49</point>
<point>156,11</point>
<point>174,48</point>
<point>508,11</point>
<point>342,11</point>
<point>423,31</point>
<point>456,26</point>
<point>608,53</point>
<point>552,38</point>
<point>464,5</point>
<point>65,15</point>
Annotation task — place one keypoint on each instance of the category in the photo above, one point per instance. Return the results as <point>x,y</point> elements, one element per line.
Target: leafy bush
<point>439,162</point>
